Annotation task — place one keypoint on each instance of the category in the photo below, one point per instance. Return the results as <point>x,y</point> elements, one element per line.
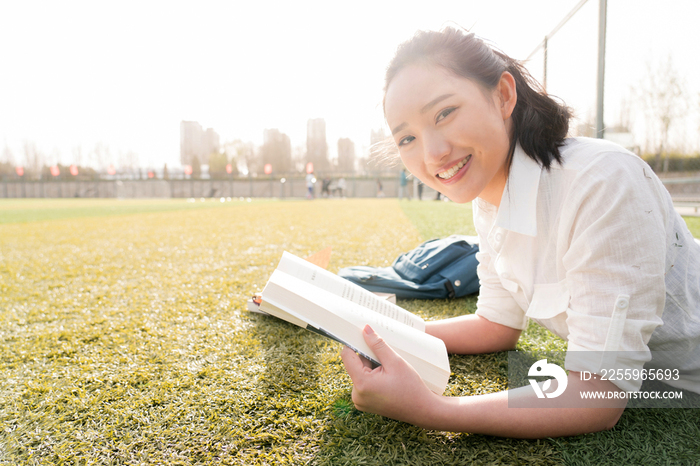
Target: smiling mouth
<point>447,174</point>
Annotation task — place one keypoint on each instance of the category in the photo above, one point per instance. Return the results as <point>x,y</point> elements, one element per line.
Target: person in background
<point>403,181</point>
<point>380,188</point>
<point>325,187</point>
<point>310,180</point>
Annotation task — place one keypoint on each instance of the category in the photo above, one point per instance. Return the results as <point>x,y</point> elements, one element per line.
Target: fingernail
<point>368,330</point>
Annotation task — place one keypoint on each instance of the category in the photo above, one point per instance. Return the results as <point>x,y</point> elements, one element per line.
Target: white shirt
<point>594,251</point>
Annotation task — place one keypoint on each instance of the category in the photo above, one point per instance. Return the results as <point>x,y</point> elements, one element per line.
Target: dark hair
<point>540,123</point>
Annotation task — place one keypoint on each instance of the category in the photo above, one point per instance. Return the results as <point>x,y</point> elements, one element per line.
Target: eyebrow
<point>399,128</point>
<point>434,102</point>
<point>425,108</point>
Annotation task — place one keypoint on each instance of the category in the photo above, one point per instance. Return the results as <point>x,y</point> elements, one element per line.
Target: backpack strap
<point>450,289</point>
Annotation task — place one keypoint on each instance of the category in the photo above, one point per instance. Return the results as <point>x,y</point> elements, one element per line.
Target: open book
<point>313,298</point>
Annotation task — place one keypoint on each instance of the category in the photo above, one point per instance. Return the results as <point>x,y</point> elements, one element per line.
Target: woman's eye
<point>406,140</point>
<point>444,113</point>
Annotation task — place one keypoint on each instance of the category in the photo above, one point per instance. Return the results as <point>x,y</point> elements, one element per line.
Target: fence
<point>292,187</point>
<point>682,188</point>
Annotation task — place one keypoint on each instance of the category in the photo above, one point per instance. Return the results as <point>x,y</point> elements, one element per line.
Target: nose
<point>435,146</point>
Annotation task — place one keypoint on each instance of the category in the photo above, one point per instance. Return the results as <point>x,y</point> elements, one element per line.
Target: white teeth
<point>447,174</point>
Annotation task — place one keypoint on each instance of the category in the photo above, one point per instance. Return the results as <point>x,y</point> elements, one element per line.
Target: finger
<point>381,349</point>
<point>352,362</point>
<point>367,363</point>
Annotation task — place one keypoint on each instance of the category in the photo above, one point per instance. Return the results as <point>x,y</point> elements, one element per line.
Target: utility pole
<point>599,123</point>
<point>544,78</point>
<point>545,41</point>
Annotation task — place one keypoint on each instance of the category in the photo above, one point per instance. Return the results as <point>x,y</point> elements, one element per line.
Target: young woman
<point>576,234</point>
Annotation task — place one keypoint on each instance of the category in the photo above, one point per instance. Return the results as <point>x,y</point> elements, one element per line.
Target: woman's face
<point>451,134</point>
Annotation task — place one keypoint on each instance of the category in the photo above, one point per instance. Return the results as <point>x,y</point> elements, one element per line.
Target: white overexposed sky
<point>124,74</point>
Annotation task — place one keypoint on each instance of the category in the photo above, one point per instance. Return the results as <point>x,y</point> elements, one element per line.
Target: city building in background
<point>316,145</point>
<point>346,155</point>
<point>197,142</point>
<point>276,151</point>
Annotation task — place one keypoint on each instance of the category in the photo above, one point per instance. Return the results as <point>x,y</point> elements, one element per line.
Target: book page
<point>292,318</point>
<point>338,286</point>
<point>345,320</point>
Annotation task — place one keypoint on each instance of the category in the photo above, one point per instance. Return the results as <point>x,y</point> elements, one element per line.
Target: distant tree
<point>698,109</point>
<point>245,153</point>
<point>234,167</point>
<point>7,170</point>
<point>346,155</point>
<point>7,166</point>
<point>196,168</point>
<point>98,155</point>
<point>47,175</point>
<point>299,157</point>
<point>663,95</point>
<point>217,165</point>
<point>65,171</point>
<point>33,160</point>
<point>86,173</point>
<point>128,162</point>
<point>233,154</point>
<point>625,115</point>
<point>77,155</point>
<point>166,176</point>
<point>7,155</point>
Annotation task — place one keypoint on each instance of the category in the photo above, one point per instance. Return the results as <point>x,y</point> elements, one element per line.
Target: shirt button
<point>622,303</point>
<point>498,237</point>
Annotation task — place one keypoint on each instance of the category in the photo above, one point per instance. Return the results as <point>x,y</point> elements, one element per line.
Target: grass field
<point>124,339</point>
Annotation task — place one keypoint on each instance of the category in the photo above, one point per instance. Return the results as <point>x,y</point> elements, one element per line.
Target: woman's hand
<point>393,389</point>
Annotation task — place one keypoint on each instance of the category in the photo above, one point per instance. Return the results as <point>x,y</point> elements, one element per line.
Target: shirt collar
<point>518,209</point>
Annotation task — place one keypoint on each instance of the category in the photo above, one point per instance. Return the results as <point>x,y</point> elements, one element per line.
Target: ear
<point>507,95</point>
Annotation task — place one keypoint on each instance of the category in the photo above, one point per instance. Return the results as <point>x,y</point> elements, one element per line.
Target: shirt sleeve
<point>494,303</point>
<point>614,231</point>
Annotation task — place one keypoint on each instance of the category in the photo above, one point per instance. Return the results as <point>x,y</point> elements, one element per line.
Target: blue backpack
<point>439,268</point>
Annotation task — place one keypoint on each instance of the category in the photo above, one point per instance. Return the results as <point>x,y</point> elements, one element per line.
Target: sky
<point>74,74</point>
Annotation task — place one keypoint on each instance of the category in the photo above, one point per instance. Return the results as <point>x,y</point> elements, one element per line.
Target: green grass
<point>435,219</point>
<point>36,210</point>
<point>693,225</point>
<point>124,339</point>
